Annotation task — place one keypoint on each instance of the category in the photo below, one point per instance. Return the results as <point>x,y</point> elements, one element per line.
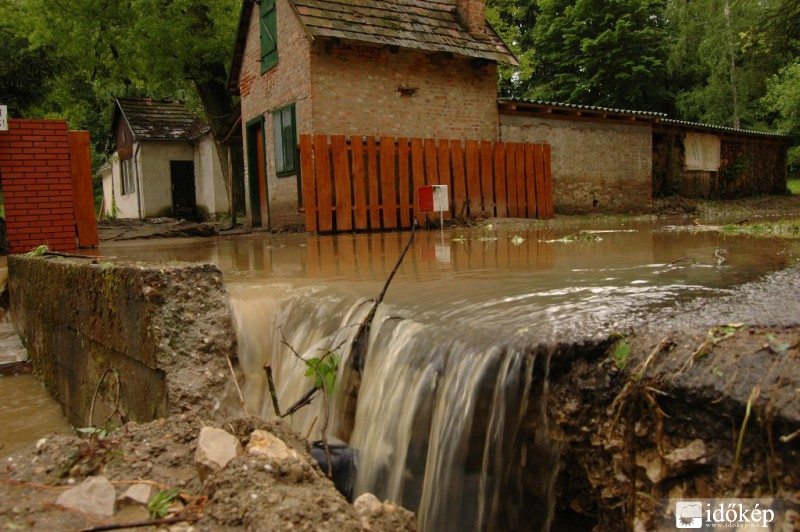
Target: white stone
<point>367,505</point>
<point>95,495</point>
<point>215,449</point>
<point>263,443</point>
<point>138,494</point>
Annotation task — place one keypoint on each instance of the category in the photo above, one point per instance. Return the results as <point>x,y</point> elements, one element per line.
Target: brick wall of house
<point>289,82</point>
<point>596,166</point>
<point>367,90</point>
<point>37,185</point>
<point>360,89</point>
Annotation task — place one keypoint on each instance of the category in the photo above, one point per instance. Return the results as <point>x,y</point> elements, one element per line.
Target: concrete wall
<point>597,166</point>
<point>127,205</point>
<point>346,88</point>
<point>164,329</point>
<point>212,198</point>
<point>156,177</point>
<point>153,180</point>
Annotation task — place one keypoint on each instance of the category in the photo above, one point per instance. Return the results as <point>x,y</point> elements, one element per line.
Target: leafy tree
<point>602,52</point>
<point>23,72</point>
<point>719,62</point>
<point>783,98</point>
<point>514,21</point>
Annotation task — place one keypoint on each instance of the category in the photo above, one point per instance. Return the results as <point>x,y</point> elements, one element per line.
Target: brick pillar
<point>36,180</point>
<point>472,15</point>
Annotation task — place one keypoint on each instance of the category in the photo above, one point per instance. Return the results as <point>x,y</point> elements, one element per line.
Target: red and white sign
<point>433,198</point>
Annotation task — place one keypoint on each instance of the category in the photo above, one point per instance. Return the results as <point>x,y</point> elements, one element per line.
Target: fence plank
<point>323,173</point>
<point>388,183</point>
<point>511,181</point>
<point>372,184</point>
<point>418,170</point>
<point>359,184</point>
<point>519,157</point>
<point>530,180</point>
<point>343,197</point>
<point>431,166</point>
<point>404,183</point>
<point>459,180</point>
<point>445,173</point>
<point>500,191</point>
<point>473,178</point>
<point>548,183</point>
<point>538,167</point>
<point>309,183</point>
<point>487,178</point>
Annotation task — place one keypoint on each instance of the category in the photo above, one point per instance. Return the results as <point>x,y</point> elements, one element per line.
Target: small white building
<point>164,164</point>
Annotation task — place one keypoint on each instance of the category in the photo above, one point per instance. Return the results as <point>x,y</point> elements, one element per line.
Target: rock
<point>137,494</point>
<point>263,443</point>
<point>95,495</point>
<point>383,516</point>
<point>368,505</point>
<point>673,464</point>
<point>215,449</point>
<point>692,454</point>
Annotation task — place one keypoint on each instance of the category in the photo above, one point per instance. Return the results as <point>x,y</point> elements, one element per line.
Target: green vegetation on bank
<point>778,229</point>
<point>794,185</point>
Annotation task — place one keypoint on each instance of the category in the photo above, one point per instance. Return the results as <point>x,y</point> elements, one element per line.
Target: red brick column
<point>37,185</point>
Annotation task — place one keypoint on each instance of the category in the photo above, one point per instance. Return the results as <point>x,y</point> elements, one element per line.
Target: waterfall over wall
<point>447,417</point>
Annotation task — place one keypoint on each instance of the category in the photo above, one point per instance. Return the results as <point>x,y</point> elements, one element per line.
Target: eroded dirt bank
<point>702,402</point>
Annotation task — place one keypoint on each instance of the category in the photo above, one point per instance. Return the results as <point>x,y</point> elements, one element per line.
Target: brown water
<point>27,413</point>
<point>449,382</point>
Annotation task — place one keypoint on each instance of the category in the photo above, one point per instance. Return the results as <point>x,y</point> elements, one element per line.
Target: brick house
<point>164,163</point>
<point>413,68</point>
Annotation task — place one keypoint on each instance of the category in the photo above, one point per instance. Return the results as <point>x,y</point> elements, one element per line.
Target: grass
<point>794,185</point>
<point>779,229</point>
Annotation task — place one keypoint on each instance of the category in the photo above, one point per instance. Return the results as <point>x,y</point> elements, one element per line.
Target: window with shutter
<point>285,138</point>
<point>269,35</point>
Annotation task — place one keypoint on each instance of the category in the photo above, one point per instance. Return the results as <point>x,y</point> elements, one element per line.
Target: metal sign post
<point>434,198</point>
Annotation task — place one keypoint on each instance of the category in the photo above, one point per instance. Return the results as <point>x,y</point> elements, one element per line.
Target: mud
<point>250,493</point>
<point>706,405</point>
<point>664,421</point>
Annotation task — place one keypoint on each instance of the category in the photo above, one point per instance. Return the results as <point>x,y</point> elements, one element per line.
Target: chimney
<point>471,13</point>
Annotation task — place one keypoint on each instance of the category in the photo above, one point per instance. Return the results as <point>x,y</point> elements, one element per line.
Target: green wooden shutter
<point>268,23</point>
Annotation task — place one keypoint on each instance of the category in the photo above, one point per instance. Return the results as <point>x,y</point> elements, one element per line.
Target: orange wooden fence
<point>363,183</point>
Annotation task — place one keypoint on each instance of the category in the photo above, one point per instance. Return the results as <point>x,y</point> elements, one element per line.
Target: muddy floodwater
<point>577,280</point>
